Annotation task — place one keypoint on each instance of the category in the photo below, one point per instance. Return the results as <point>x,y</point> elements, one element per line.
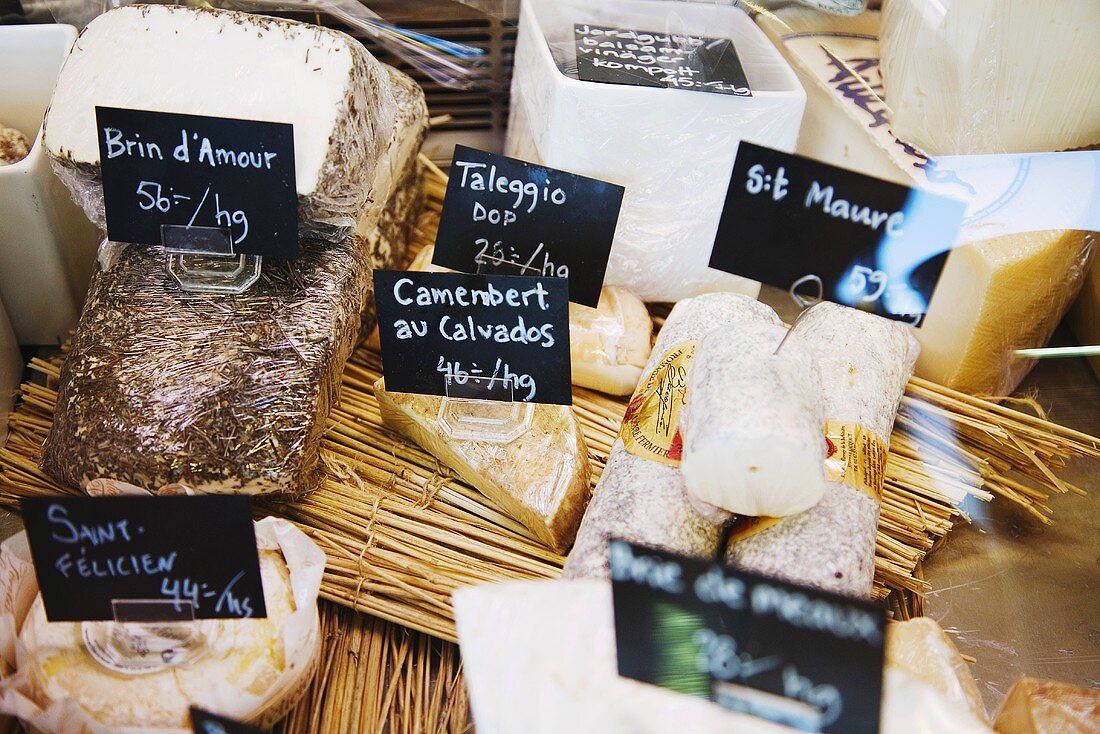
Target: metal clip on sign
<point>202,260</point>
<point>147,635</point>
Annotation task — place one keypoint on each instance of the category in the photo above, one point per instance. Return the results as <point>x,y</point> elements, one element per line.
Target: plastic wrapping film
<point>540,478</point>
<point>672,149</point>
<point>1029,231</point>
<point>1036,706</point>
<point>341,103</point>
<point>865,363</point>
<point>55,687</point>
<point>992,76</point>
<point>229,393</point>
<point>642,498</point>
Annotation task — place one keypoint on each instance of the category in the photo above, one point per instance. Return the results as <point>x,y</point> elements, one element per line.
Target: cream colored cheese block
<point>608,345</point>
<point>244,657</point>
<point>1048,707</point>
<point>920,648</point>
<point>993,76</point>
<point>996,294</point>
<point>541,478</point>
<point>228,64</point>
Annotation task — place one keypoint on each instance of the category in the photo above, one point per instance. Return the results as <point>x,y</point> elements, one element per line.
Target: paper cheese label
<point>855,456</point>
<point>654,59</point>
<point>650,428</point>
<point>198,184</point>
<point>790,654</point>
<point>479,337</point>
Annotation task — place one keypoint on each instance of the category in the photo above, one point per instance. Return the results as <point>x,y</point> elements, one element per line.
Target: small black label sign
<point>792,655</point>
<point>204,722</point>
<point>90,552</point>
<point>504,216</point>
<point>162,168</point>
<point>824,232</point>
<point>487,337</point>
<point>653,59</point>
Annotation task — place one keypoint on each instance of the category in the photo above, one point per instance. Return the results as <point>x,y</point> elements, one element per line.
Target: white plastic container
<point>47,245</point>
<point>672,149</point>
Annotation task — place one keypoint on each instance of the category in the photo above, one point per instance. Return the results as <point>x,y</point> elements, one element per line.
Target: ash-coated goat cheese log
<point>752,426</point>
<point>865,363</point>
<point>222,63</point>
<point>641,496</point>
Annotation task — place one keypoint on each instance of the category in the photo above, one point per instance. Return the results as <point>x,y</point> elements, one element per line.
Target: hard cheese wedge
<point>993,76</point>
<point>996,295</point>
<point>228,64</point>
<point>1048,707</point>
<point>540,478</point>
<point>1085,315</point>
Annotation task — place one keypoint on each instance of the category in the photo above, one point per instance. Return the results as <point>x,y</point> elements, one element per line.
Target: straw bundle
<point>402,533</point>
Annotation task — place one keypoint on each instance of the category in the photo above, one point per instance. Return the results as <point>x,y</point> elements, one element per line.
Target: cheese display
<point>248,669</point>
<point>673,149</point>
<point>752,426</point>
<point>865,363</point>
<point>641,496</point>
<point>992,76</point>
<point>324,83</point>
<point>14,146</point>
<point>608,345</point>
<point>540,478</point>
<point>1025,242</point>
<point>226,393</point>
<point>1048,707</point>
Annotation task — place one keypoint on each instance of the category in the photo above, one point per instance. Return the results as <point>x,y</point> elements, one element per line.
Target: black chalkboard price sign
<point>164,173</point>
<point>827,233</point>
<point>204,722</point>
<point>793,655</point>
<point>92,552</point>
<point>481,337</point>
<point>506,217</point>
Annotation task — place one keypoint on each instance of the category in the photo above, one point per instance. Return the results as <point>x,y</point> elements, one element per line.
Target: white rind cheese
<point>752,426</point>
<point>993,76</point>
<point>227,64</point>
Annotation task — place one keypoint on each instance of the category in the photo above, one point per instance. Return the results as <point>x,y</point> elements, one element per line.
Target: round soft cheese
<point>242,656</point>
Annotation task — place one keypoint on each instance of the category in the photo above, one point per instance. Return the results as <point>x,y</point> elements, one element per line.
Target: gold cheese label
<point>856,457</point>
<point>650,428</point>
<point>853,456</point>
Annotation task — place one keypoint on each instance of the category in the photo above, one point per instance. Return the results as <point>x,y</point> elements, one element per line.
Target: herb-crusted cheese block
<point>227,64</point>
<point>540,478</point>
<point>752,426</point>
<point>641,496</point>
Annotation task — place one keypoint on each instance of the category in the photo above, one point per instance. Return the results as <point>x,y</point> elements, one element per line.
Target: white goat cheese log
<point>865,363</point>
<point>641,496</point>
<point>226,64</point>
<point>752,426</point>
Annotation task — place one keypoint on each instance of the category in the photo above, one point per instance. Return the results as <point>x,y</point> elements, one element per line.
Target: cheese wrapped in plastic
<point>1036,706</point>
<point>673,149</point>
<point>228,393</point>
<point>608,345</point>
<point>865,363</point>
<point>992,76</point>
<point>249,669</point>
<point>540,478</point>
<point>752,426</point>
<point>641,496</point>
<point>336,95</point>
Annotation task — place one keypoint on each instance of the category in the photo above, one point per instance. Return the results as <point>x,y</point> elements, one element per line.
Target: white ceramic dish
<point>47,245</point>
